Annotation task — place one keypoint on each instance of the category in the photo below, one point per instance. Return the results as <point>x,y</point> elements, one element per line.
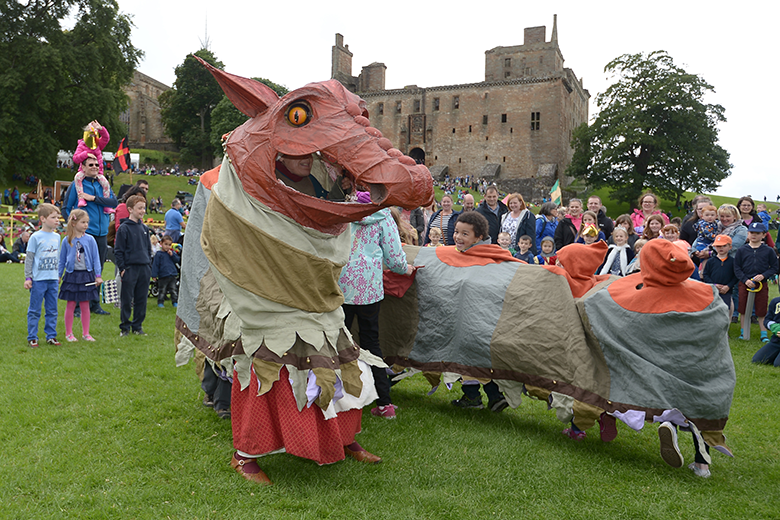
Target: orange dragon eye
<point>298,114</point>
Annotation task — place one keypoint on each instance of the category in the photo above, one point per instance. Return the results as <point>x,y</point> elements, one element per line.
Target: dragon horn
<point>249,96</point>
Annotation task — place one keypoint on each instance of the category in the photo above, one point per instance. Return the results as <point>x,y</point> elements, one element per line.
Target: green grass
<point>113,429</point>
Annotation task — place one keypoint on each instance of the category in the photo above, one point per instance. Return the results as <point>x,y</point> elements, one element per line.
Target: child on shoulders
<point>95,139</point>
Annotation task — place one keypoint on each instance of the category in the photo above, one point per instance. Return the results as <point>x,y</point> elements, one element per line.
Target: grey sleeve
<point>28,265</point>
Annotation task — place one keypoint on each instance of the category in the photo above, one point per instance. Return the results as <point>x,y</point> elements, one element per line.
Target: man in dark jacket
<point>605,223</point>
<point>133,251</point>
<point>492,209</point>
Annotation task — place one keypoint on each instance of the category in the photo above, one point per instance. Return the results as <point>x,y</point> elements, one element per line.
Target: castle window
<point>504,159</point>
<point>458,160</point>
<point>503,118</point>
<point>381,109</point>
<point>486,95</point>
<point>541,60</point>
<point>398,107</point>
<point>535,118</point>
<point>469,128</point>
<point>453,130</point>
<point>455,102</point>
<point>484,120</point>
<point>507,74</point>
<point>486,138</point>
<point>436,103</point>
<point>416,105</point>
<point>507,62</point>
<point>486,157</point>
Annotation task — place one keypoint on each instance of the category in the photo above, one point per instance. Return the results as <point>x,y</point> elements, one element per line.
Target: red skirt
<point>267,423</point>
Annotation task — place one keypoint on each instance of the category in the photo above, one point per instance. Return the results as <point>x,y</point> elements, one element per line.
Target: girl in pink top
<point>95,139</point>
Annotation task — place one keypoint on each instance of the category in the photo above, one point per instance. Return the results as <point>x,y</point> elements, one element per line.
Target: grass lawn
<point>113,429</point>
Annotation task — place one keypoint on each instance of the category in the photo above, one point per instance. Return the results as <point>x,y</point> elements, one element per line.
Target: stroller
<point>154,287</point>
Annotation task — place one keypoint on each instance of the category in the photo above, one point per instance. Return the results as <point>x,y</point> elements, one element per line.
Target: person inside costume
<point>471,231</point>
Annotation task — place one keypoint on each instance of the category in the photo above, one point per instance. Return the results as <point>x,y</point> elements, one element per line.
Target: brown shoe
<point>362,456</point>
<point>259,477</point>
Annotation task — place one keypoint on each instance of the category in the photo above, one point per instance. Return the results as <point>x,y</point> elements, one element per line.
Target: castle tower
<point>534,59</point>
<point>341,64</point>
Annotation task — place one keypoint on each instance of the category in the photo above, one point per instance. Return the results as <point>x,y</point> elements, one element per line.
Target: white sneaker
<point>670,451</point>
<point>699,472</point>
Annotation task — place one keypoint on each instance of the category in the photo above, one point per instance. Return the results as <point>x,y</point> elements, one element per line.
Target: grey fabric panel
<point>670,360</point>
<point>459,308</point>
<point>194,262</point>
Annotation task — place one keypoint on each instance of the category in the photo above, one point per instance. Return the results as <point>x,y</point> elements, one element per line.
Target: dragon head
<point>320,117</point>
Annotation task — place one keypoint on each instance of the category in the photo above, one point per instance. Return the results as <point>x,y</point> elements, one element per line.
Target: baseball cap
<point>722,240</point>
<point>757,227</point>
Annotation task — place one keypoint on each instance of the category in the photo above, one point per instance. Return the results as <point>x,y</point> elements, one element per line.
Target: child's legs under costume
<point>368,325</point>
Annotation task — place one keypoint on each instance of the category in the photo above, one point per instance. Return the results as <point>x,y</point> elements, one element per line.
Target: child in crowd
<point>589,218</point>
<point>155,243</point>
<point>625,222</point>
<point>707,228</point>
<point>754,264</point>
<point>763,213</point>
<point>619,254</point>
<point>164,270</point>
<point>633,266</point>
<point>41,275</point>
<point>589,233</point>
<point>547,256</point>
<point>720,271</point>
<point>435,237</point>
<point>653,226</point>
<point>471,229</point>
<point>768,354</point>
<point>505,241</point>
<point>80,270</point>
<point>133,251</point>
<point>95,139</point>
<point>524,252</point>
<point>671,233</point>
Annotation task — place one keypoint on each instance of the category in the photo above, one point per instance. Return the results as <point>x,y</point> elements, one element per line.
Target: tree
<point>225,117</point>
<point>54,81</point>
<point>653,131</point>
<point>187,107</point>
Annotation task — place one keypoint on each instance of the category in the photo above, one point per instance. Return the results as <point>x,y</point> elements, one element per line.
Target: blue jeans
<point>42,291</point>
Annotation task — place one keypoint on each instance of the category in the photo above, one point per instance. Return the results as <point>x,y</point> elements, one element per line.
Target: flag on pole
<point>555,193</point>
<point>122,157</point>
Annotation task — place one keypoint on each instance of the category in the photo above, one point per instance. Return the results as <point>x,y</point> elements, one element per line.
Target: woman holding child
<point>519,221</point>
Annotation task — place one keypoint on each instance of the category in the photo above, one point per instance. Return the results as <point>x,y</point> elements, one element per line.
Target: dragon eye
<point>298,114</point>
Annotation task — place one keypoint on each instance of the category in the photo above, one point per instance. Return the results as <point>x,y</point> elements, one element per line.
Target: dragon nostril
<point>353,110</point>
<point>373,132</point>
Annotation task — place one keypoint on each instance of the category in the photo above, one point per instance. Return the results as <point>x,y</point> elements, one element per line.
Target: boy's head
<point>589,232</point>
<point>670,232</point>
<point>49,216</point>
<point>722,245</point>
<point>639,244</point>
<point>166,243</point>
<point>761,207</point>
<point>548,245</point>
<point>524,243</point>
<point>136,206</point>
<point>756,232</point>
<point>504,239</point>
<point>470,228</point>
<point>709,213</point>
<point>435,234</point>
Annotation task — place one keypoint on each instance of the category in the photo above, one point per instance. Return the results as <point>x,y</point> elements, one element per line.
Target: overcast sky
<point>432,43</point>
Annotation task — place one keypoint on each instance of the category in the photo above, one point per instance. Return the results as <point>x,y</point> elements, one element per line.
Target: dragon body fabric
<point>648,347</point>
<point>259,293</point>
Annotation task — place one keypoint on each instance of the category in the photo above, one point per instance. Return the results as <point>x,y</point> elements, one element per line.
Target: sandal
<point>87,337</point>
<point>71,338</point>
